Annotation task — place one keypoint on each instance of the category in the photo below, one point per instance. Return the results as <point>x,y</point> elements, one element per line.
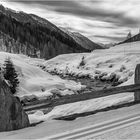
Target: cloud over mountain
<point>97,19</point>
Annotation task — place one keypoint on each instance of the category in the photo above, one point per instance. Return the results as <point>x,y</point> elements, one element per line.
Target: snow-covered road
<point>96,130</point>
<point>51,128</point>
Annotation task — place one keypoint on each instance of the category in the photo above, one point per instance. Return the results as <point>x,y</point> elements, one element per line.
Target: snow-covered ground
<point>34,81</point>
<point>54,127</point>
<point>84,106</point>
<point>119,61</point>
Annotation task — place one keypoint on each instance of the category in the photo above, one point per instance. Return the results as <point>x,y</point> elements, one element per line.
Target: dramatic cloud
<point>100,20</point>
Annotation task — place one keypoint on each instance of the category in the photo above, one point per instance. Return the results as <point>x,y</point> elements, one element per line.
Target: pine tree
<point>10,75</point>
<point>129,35</point>
<point>82,63</point>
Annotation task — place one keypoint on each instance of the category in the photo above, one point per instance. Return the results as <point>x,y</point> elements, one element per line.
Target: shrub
<point>122,68</point>
<point>82,63</point>
<point>111,65</point>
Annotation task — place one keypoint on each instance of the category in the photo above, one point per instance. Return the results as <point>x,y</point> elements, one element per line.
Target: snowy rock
<point>29,98</point>
<point>60,93</point>
<point>56,93</point>
<point>68,92</point>
<point>12,116</point>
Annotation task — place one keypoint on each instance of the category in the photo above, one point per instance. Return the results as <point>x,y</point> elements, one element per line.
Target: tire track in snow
<point>98,129</point>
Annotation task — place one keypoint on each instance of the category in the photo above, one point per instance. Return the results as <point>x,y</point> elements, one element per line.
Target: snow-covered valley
<point>33,80</point>
<point>119,61</point>
<point>69,69</point>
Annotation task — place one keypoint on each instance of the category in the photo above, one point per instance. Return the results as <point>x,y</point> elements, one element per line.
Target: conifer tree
<point>10,75</point>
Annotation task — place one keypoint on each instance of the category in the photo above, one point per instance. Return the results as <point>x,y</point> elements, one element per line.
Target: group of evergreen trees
<point>9,73</point>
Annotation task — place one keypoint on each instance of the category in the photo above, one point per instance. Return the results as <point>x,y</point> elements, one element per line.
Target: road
<point>113,121</point>
<point>109,124</point>
<point>99,129</point>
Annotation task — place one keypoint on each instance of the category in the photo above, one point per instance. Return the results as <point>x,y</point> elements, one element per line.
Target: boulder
<point>12,115</point>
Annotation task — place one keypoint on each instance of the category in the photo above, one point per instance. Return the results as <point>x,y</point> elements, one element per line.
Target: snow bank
<point>33,80</point>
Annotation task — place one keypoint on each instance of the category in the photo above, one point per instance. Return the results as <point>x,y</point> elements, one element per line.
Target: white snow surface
<point>84,106</point>
<point>120,60</point>
<point>123,60</point>
<point>33,80</point>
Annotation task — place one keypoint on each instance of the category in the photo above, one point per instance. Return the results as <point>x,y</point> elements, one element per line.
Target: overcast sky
<point>100,20</point>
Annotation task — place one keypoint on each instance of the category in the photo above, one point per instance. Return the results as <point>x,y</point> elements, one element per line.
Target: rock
<point>30,98</point>
<point>137,81</point>
<point>56,93</point>
<point>12,115</point>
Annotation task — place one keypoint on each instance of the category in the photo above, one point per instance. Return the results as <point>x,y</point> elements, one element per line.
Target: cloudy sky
<point>100,20</point>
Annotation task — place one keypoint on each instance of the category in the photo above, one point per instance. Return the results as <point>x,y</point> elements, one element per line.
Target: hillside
<point>34,81</point>
<point>82,40</point>
<point>37,34</point>
<point>132,39</point>
<point>116,63</point>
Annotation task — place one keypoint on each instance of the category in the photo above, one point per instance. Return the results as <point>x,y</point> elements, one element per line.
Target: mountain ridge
<point>34,31</point>
<point>131,39</point>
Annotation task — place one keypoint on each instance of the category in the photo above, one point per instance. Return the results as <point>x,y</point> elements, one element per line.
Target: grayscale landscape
<point>69,69</point>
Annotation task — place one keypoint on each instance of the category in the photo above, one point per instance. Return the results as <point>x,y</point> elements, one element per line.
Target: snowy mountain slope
<point>34,81</point>
<point>118,62</point>
<point>82,40</point>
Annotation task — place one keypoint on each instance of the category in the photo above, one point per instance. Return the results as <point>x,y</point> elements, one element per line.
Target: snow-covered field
<point>119,61</point>
<point>34,81</point>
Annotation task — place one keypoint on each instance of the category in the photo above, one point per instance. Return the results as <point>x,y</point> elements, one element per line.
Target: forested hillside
<point>35,35</point>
